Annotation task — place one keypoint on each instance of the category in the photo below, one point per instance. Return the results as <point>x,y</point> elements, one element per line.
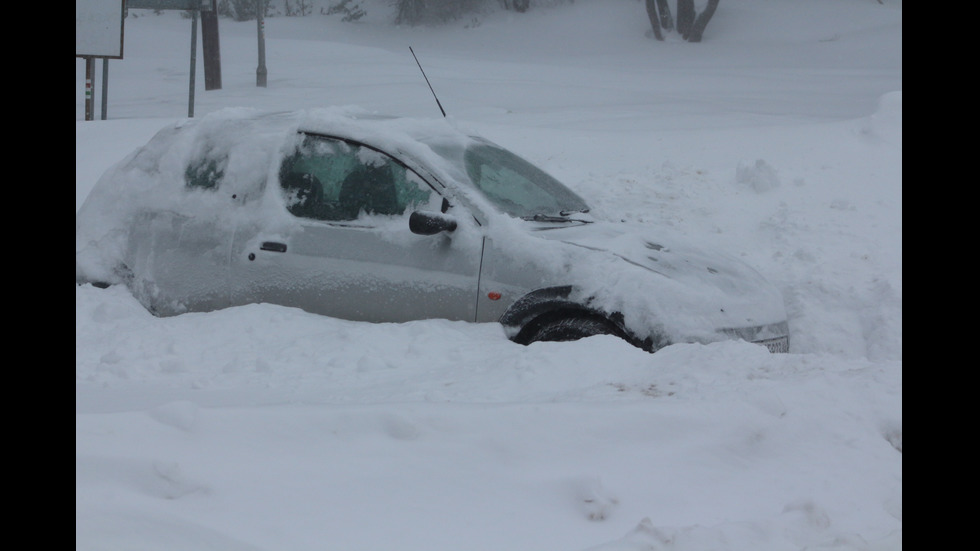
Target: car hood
<point>689,286</point>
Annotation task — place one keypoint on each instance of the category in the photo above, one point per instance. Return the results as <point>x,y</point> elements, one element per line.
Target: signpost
<point>98,33</point>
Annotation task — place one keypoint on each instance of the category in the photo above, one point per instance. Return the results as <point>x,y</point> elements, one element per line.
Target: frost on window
<point>516,186</point>
<point>204,174</point>
<point>333,180</point>
<point>370,157</point>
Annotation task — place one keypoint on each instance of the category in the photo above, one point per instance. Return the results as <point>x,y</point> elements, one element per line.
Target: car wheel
<point>567,326</point>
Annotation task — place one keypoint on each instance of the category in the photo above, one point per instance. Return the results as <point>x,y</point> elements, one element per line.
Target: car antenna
<point>427,81</point>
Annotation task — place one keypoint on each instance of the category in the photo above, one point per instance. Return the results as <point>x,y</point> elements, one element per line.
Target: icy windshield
<point>516,186</point>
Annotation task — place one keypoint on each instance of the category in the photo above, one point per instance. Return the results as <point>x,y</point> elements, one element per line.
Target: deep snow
<point>777,139</point>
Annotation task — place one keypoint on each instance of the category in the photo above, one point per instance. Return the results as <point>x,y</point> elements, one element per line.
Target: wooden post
<point>211,47</point>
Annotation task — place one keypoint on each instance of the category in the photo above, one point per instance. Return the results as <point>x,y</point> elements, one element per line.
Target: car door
<point>350,253</point>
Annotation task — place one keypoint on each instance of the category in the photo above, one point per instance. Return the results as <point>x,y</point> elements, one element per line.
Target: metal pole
<point>105,87</point>
<point>190,96</point>
<point>89,76</point>
<point>261,73</point>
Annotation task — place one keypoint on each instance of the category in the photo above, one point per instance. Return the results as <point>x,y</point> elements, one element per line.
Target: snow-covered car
<point>384,219</point>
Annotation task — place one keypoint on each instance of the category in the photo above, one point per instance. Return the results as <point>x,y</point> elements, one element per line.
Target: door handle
<point>273,246</point>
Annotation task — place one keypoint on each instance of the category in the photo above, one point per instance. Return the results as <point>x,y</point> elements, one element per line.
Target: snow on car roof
<point>246,145</point>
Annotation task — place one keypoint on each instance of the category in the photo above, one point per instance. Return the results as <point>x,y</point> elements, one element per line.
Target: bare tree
<point>697,29</point>
<point>654,19</point>
<point>516,5</point>
<point>416,12</point>
<point>297,7</point>
<point>685,16</point>
<point>690,24</point>
<point>666,21</point>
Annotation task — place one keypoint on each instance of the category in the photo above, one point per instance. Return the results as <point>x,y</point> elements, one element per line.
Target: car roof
<point>251,141</point>
<point>347,122</point>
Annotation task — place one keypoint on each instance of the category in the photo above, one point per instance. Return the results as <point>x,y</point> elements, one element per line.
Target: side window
<point>204,174</point>
<point>330,179</point>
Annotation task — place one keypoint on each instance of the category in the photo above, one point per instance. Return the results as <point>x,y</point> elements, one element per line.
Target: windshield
<point>516,186</point>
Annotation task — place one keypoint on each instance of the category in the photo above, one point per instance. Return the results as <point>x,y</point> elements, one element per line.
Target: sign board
<point>99,28</point>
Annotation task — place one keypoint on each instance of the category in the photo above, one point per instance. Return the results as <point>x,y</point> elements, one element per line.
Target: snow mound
<point>885,124</point>
<point>759,176</point>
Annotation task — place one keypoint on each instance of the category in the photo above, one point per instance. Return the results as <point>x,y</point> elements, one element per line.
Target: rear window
<point>204,174</point>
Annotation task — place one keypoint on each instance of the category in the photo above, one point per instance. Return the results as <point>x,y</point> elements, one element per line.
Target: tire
<point>568,326</point>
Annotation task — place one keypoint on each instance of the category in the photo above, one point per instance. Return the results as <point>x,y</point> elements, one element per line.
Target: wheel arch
<point>552,302</point>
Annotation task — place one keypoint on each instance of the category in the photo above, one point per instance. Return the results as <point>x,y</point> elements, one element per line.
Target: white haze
<point>777,139</point>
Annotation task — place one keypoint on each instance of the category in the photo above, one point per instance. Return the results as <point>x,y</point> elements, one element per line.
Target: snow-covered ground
<point>778,138</point>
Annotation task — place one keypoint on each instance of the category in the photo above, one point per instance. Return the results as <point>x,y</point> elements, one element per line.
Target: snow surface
<point>778,139</point>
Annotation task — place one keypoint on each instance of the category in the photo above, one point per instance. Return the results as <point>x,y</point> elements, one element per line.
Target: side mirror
<point>430,223</point>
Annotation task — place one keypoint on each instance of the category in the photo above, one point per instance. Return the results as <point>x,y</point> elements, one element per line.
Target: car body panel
<point>708,285</point>
<point>180,263</point>
<point>365,273</point>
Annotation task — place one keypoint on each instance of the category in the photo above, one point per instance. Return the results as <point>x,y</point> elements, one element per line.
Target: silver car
<point>390,219</point>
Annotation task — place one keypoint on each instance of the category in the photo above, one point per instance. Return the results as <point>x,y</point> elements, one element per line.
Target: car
<point>352,215</point>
